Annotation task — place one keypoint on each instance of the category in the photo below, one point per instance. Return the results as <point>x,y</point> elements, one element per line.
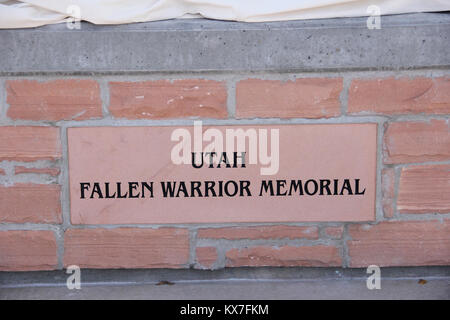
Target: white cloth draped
<point>32,13</point>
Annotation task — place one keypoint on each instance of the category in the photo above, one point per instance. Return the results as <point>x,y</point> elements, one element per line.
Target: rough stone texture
<point>301,98</point>
<point>29,143</point>
<point>53,100</point>
<point>206,256</point>
<point>415,49</point>
<point>334,232</point>
<point>263,232</point>
<point>400,96</point>
<point>424,189</point>
<point>127,248</point>
<point>22,250</point>
<point>400,243</point>
<point>406,142</point>
<point>50,171</point>
<point>285,256</point>
<point>164,99</point>
<point>388,191</point>
<point>36,203</point>
<point>405,41</point>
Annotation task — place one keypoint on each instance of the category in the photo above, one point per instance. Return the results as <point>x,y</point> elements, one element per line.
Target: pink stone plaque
<point>220,174</point>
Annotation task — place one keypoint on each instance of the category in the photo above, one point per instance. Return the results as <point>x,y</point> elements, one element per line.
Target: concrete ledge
<point>95,277</point>
<point>404,42</point>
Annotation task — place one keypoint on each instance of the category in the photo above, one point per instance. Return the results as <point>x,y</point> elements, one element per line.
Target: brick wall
<point>411,108</point>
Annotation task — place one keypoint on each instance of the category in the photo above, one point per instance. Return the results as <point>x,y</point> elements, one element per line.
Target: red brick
<point>53,100</point>
<point>165,99</point>
<point>301,98</point>
<point>36,203</point>
<point>127,248</point>
<point>424,189</point>
<point>29,143</point>
<point>400,96</point>
<point>334,232</point>
<point>406,142</point>
<point>206,256</point>
<point>388,191</point>
<point>400,243</point>
<point>50,171</point>
<point>27,250</point>
<point>286,256</point>
<point>2,172</point>
<point>263,232</point>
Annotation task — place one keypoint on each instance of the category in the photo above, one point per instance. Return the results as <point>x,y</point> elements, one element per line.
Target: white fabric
<point>32,13</point>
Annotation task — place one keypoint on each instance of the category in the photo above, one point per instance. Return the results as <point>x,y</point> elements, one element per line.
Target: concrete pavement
<point>230,284</point>
<point>243,290</point>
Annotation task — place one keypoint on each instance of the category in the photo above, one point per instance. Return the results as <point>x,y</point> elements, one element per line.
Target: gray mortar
<point>230,79</point>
